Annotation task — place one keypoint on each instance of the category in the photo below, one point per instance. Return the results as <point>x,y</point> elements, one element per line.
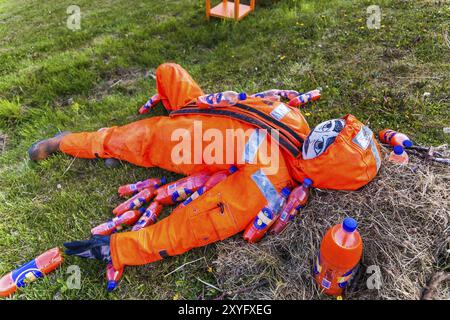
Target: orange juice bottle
<point>30,271</point>
<point>395,138</point>
<point>399,156</point>
<point>340,252</point>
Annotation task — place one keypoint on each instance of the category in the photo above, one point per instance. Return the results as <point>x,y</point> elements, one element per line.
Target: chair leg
<point>252,5</point>
<point>236,10</point>
<point>208,9</point>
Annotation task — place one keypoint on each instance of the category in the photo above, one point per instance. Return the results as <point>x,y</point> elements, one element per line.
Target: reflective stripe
<point>283,140</point>
<point>266,187</point>
<point>253,144</point>
<point>363,138</point>
<point>280,111</point>
<point>375,153</point>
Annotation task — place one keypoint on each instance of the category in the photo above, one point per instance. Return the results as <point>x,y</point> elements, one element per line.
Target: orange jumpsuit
<point>231,205</point>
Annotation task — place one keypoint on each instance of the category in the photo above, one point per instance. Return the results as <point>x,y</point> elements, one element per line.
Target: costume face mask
<point>321,138</point>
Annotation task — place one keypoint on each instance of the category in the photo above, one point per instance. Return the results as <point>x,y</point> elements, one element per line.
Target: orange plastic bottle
<point>133,188</point>
<point>265,218</point>
<point>149,216</point>
<point>153,101</point>
<point>135,202</point>
<point>304,98</point>
<point>180,190</point>
<point>30,271</point>
<point>395,138</point>
<point>113,276</point>
<point>215,179</point>
<point>128,218</point>
<point>340,253</point>
<point>296,201</point>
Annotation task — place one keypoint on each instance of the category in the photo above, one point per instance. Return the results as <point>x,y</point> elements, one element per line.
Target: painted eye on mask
<point>321,137</point>
<point>318,146</point>
<point>327,126</point>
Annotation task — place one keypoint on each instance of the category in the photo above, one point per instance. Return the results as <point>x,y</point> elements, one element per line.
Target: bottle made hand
<point>180,190</point>
<point>304,98</point>
<point>133,188</point>
<point>276,94</point>
<point>128,218</point>
<point>215,179</point>
<point>135,202</point>
<point>149,216</point>
<point>220,99</point>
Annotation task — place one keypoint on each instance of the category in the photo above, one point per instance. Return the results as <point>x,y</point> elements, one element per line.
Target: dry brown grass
<point>403,217</point>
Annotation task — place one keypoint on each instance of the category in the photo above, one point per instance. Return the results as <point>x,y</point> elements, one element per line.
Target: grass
<point>52,78</point>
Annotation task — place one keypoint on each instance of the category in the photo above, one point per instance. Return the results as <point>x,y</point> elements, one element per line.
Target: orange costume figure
<point>276,149</point>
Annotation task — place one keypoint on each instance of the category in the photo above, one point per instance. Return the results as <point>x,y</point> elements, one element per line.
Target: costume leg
<point>220,213</point>
<point>175,86</point>
<point>157,142</point>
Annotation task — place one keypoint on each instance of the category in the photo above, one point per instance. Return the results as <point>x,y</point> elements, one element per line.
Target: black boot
<point>42,149</point>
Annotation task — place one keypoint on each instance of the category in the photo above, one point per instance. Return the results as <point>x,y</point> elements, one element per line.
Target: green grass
<point>52,78</point>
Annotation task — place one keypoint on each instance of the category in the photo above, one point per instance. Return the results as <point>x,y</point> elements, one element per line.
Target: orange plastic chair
<point>229,10</point>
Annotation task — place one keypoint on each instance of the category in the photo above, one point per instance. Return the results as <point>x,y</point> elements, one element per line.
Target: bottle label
<point>27,273</point>
<point>326,284</point>
<point>345,278</point>
<point>363,137</point>
<point>263,219</point>
<point>317,266</point>
<point>284,216</point>
<point>181,194</point>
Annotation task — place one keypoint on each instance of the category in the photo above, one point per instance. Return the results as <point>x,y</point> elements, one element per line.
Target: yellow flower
<point>307,114</point>
<point>176,296</point>
<point>210,269</point>
<point>282,58</point>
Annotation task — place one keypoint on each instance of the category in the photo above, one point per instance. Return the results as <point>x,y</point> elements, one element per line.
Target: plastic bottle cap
<point>111,285</point>
<point>407,143</point>
<point>242,96</point>
<point>349,224</point>
<point>232,169</point>
<point>398,150</point>
<point>307,182</point>
<point>285,192</point>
